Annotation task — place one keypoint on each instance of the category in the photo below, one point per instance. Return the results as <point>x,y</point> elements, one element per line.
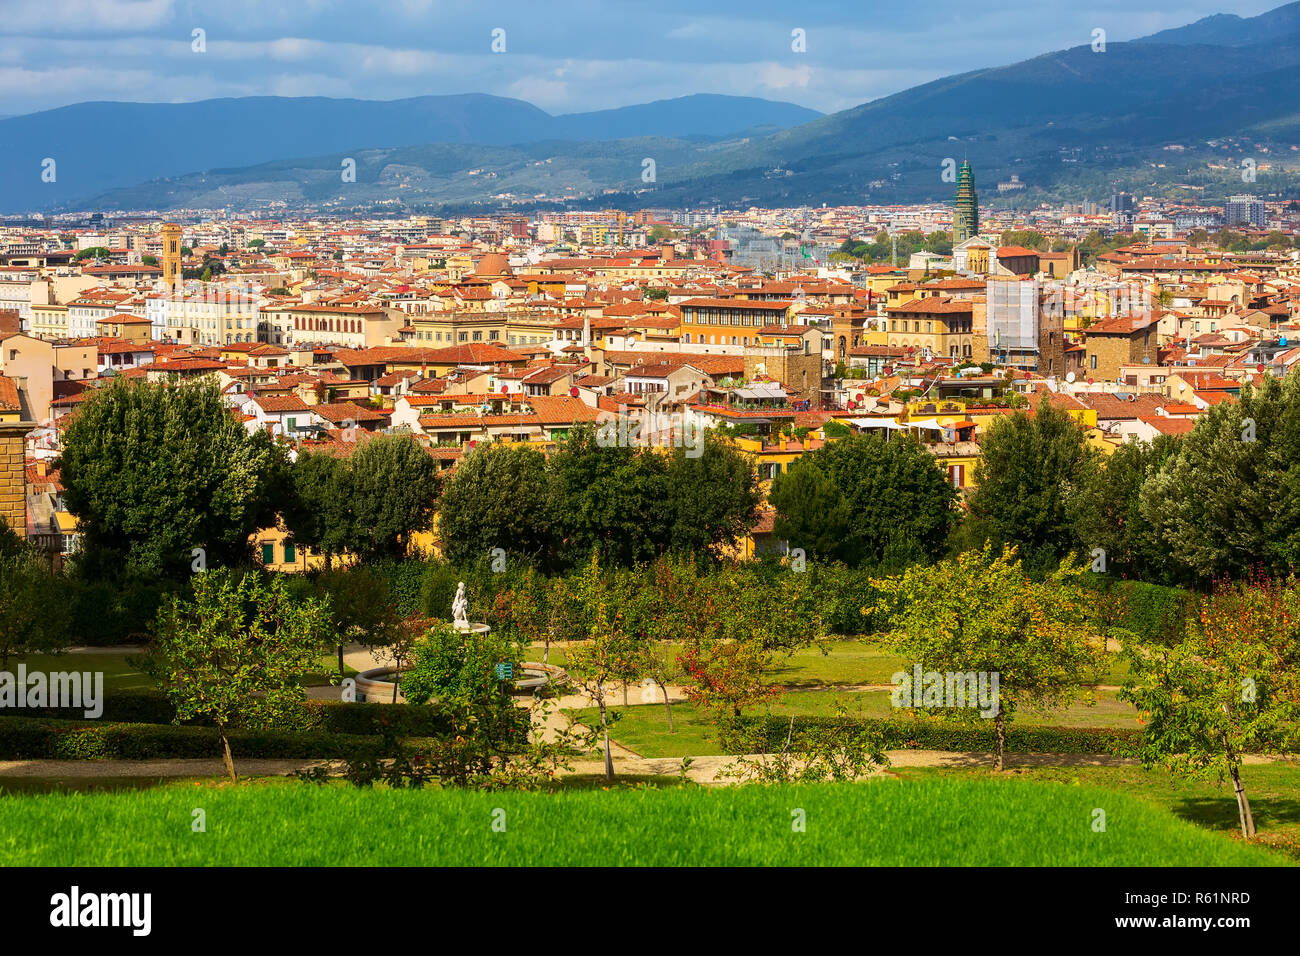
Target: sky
<point>564,57</point>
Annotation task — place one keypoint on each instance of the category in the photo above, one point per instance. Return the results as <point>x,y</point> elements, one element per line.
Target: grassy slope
<point>886,822</point>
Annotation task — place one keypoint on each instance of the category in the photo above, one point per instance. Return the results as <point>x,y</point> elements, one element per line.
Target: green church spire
<point>966,223</point>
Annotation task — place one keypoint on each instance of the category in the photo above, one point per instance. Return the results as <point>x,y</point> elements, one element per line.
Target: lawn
<point>118,674</point>
<point>643,728</point>
<point>1273,790</point>
<point>849,661</point>
<point>926,822</point>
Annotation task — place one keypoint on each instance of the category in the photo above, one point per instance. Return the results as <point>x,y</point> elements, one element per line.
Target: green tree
<point>1229,500</point>
<point>607,654</point>
<point>318,511</point>
<point>496,498</point>
<point>234,651</point>
<point>607,499</point>
<point>1106,508</point>
<point>361,607</point>
<point>153,471</point>
<point>712,496</point>
<point>149,260</point>
<point>394,485</point>
<point>981,614</point>
<point>1029,466</point>
<point>811,512</point>
<point>34,617</point>
<point>1229,687</point>
<point>893,501</point>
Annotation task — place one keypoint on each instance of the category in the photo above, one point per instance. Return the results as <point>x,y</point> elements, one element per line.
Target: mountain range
<point>100,146</point>
<point>1164,111</point>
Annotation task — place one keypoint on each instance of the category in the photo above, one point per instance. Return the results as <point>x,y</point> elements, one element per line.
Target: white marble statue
<point>460,607</point>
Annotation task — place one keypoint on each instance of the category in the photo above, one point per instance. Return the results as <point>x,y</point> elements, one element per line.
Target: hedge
<point>31,738</point>
<point>36,738</point>
<point>147,707</point>
<point>905,734</point>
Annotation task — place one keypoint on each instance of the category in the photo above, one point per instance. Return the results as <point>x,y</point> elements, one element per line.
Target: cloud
<point>568,59</point>
<point>84,16</point>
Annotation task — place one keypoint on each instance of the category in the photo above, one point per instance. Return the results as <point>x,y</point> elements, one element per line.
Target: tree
<point>1228,687</point>
<point>149,260</point>
<point>811,513</point>
<point>1029,466</point>
<point>1106,508</point>
<point>394,483</point>
<point>728,677</point>
<point>606,655</point>
<point>496,498</point>
<point>891,500</point>
<point>606,499</point>
<point>319,509</point>
<point>233,652</point>
<point>712,497</point>
<point>153,471</point>
<point>361,607</point>
<point>34,617</point>
<point>981,614</point>
<point>1229,500</point>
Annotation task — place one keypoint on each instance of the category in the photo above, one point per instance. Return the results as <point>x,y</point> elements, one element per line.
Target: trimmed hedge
<point>904,734</point>
<point>152,708</point>
<point>29,738</point>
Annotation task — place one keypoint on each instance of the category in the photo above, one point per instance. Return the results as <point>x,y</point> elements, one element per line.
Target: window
<point>268,553</point>
<point>290,553</point>
<point>1092,361</point>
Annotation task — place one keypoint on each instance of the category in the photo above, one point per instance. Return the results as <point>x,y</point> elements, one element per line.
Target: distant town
<point>1133,314</point>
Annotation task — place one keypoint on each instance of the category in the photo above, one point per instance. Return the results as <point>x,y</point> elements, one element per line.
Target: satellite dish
<point>1146,360</point>
<point>1069,377</point>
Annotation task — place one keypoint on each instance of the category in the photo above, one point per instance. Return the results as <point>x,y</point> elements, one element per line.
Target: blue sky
<point>564,57</point>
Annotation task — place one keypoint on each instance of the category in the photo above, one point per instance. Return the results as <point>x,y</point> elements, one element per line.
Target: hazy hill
<point>98,146</point>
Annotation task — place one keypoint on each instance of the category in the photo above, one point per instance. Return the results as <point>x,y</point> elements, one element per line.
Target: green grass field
<point>930,822</point>
<point>643,728</point>
<point>843,662</point>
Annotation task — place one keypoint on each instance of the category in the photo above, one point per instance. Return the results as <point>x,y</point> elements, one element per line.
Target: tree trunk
<point>396,678</point>
<point>340,661</point>
<point>668,707</point>
<point>1000,732</point>
<point>609,757</point>
<point>229,760</point>
<point>624,693</point>
<point>1243,805</point>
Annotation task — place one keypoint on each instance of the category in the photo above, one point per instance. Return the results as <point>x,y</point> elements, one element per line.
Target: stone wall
<point>13,475</point>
